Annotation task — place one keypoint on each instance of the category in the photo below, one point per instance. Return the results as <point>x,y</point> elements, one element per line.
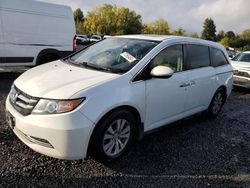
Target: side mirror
<point>161,72</point>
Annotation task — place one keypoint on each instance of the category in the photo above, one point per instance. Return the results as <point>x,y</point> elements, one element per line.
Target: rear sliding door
<point>202,79</point>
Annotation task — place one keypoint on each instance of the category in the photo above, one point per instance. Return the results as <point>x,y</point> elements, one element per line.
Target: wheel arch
<point>139,129</point>
<point>47,52</point>
<point>224,88</point>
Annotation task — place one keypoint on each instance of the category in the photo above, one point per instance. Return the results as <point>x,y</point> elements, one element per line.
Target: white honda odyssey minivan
<point>99,100</point>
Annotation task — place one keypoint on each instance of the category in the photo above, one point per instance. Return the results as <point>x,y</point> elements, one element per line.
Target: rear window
<point>197,56</point>
<point>218,58</point>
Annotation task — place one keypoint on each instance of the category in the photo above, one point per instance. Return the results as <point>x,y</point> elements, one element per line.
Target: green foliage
<point>246,48</point>
<point>209,30</point>
<point>220,36</point>
<point>230,35</point>
<point>241,41</point>
<point>225,42</point>
<point>112,20</point>
<point>159,27</point>
<point>194,35</point>
<point>245,34</point>
<point>179,32</point>
<point>79,21</point>
<point>78,15</point>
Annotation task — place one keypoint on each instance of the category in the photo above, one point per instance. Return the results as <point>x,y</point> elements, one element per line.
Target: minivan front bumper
<point>63,136</point>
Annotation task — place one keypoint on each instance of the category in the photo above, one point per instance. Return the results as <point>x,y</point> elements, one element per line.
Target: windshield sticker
<point>128,57</point>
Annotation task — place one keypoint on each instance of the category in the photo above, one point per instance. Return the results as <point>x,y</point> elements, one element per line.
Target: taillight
<point>74,44</point>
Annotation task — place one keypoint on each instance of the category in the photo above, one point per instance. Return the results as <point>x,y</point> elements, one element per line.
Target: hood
<point>240,65</point>
<point>58,80</point>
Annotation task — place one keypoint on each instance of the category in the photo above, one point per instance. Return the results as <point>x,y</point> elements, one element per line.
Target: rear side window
<point>197,56</point>
<point>218,58</point>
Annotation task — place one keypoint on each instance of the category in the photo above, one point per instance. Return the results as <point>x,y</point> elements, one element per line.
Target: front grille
<point>243,74</point>
<point>21,101</point>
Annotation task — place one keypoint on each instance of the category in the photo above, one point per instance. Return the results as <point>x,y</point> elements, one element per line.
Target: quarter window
<point>197,56</point>
<point>171,57</point>
<point>218,58</point>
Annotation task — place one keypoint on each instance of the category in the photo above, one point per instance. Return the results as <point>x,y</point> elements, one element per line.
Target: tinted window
<point>171,57</point>
<point>218,58</point>
<point>197,56</point>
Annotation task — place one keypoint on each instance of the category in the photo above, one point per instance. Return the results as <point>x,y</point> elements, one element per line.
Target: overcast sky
<point>188,14</point>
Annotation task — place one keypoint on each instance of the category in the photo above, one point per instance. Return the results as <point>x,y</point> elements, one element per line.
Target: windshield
<point>245,57</point>
<point>116,55</point>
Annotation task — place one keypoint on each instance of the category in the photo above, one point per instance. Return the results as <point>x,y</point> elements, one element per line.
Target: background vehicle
<point>34,32</point>
<point>241,65</point>
<point>82,39</point>
<point>107,36</point>
<point>117,90</point>
<point>95,38</point>
<point>231,54</point>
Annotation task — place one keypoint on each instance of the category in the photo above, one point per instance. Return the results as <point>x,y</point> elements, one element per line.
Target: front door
<point>166,98</point>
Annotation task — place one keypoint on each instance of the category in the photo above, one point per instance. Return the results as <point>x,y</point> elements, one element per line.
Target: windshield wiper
<point>98,67</point>
<point>94,66</point>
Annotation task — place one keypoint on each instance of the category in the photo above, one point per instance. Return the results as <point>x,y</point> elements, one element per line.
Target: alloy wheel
<point>116,137</point>
<point>217,103</point>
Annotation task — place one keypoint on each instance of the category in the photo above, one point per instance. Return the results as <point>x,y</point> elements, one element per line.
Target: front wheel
<point>217,103</point>
<point>113,136</point>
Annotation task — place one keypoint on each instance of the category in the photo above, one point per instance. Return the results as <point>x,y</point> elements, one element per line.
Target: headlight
<point>12,93</point>
<point>45,106</point>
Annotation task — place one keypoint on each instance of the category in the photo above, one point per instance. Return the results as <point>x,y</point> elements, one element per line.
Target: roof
<point>146,37</point>
<point>171,38</point>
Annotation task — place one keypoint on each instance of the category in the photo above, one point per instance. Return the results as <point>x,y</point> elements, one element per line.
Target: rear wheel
<point>217,103</point>
<point>113,136</point>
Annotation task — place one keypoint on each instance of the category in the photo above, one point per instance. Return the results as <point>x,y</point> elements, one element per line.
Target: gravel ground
<point>196,152</point>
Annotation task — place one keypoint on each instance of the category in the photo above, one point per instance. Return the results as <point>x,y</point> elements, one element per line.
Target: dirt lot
<point>197,152</point>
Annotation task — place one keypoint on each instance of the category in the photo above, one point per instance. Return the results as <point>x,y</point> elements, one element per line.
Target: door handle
<point>183,84</point>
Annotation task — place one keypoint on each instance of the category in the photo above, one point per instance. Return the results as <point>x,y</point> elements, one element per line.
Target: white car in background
<point>82,39</point>
<point>116,91</point>
<point>95,38</point>
<point>241,66</point>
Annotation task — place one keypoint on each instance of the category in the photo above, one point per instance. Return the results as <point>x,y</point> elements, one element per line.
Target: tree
<point>238,42</point>
<point>159,27</point>
<point>179,32</point>
<point>194,35</point>
<point>230,35</point>
<point>209,30</point>
<point>245,34</point>
<point>78,15</point>
<point>79,20</point>
<point>220,36</point>
<point>225,42</point>
<point>113,20</point>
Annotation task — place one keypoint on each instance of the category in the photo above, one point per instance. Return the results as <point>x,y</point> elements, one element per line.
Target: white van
<point>116,91</point>
<point>33,32</point>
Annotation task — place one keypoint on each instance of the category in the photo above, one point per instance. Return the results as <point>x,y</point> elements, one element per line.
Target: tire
<point>113,136</point>
<point>217,103</point>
